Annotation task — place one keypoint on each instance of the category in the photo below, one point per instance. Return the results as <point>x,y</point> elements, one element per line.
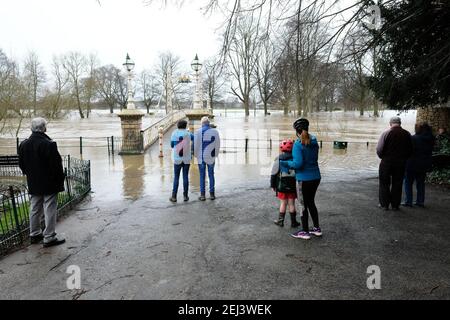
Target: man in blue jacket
<point>206,150</point>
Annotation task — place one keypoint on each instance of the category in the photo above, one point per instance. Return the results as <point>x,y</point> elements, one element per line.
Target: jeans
<point>391,180</point>
<point>202,168</point>
<point>419,177</point>
<point>43,212</point>
<point>309,189</point>
<point>177,170</point>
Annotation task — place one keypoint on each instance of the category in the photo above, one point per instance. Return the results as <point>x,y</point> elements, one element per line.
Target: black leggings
<point>309,189</point>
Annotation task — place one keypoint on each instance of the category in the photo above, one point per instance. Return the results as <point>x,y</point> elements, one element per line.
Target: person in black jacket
<point>394,148</point>
<point>418,165</point>
<point>41,162</point>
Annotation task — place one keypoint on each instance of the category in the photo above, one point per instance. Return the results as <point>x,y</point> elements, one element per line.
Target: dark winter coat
<point>41,162</point>
<point>395,146</point>
<point>421,160</point>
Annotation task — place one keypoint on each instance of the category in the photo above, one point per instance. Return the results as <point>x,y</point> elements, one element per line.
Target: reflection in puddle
<point>133,176</point>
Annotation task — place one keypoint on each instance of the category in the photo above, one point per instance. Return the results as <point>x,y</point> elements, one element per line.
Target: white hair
<point>38,125</point>
<point>205,120</point>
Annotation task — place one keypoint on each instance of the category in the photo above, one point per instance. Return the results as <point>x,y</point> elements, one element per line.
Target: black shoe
<point>294,222</point>
<point>185,198</point>
<point>173,198</point>
<point>212,196</point>
<point>36,239</point>
<point>55,242</point>
<point>395,209</point>
<point>202,197</point>
<point>420,205</point>
<point>383,208</point>
<point>280,221</point>
<point>405,204</point>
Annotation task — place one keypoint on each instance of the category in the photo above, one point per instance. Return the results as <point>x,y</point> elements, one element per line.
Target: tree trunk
<point>247,106</point>
<point>265,108</point>
<point>375,108</point>
<point>286,108</point>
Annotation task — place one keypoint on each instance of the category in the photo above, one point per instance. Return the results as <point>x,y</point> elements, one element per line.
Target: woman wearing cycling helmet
<point>283,183</point>
<point>305,155</point>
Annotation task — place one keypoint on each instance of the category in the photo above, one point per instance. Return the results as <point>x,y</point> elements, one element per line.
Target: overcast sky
<point>111,30</point>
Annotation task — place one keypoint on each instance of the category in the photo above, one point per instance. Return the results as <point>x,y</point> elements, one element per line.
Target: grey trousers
<point>43,211</point>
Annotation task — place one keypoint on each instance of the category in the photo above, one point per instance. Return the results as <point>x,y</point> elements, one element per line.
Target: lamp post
<point>129,66</point>
<point>197,67</point>
<point>131,119</point>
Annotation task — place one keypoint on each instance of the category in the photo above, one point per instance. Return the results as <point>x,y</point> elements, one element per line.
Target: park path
<point>230,249</point>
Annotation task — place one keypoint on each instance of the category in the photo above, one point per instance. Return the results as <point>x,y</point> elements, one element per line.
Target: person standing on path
<point>419,164</point>
<point>206,150</point>
<point>284,185</point>
<point>41,162</point>
<point>180,142</point>
<point>394,148</point>
<point>307,173</point>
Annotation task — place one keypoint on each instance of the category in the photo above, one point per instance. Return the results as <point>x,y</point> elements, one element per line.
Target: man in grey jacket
<point>394,148</point>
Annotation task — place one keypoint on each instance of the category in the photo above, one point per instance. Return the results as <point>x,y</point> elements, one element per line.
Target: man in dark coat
<point>394,148</point>
<point>41,162</point>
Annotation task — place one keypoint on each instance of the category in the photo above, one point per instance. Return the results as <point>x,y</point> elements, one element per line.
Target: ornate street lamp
<point>197,66</point>
<point>129,66</point>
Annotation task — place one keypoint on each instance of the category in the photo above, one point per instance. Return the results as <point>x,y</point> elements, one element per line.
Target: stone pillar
<point>436,117</point>
<point>132,140</point>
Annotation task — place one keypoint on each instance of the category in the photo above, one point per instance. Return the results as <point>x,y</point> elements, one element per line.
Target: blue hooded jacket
<point>305,161</point>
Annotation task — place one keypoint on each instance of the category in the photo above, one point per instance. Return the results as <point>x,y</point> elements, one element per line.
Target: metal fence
<point>15,200</point>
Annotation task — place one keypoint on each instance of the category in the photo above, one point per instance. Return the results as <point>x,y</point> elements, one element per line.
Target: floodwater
<point>132,177</point>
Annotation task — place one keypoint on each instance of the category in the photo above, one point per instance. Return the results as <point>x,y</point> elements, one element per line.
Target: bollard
<point>81,146</point>
<point>367,144</point>
<point>270,144</point>
<point>17,145</point>
<point>321,144</point>
<point>107,142</point>
<point>161,135</point>
<point>246,145</point>
<point>112,145</point>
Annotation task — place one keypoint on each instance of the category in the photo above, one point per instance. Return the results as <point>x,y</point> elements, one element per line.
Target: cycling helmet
<point>301,124</point>
<point>286,145</point>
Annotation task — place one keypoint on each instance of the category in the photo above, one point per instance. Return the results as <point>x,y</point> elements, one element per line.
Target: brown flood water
<point>132,177</point>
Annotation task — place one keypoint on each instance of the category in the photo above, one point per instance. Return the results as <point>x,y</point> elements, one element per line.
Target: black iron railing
<point>15,201</point>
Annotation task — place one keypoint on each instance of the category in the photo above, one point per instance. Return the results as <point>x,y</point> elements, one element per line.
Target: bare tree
<point>285,84</point>
<point>34,77</point>
<point>55,97</point>
<point>214,80</point>
<point>13,93</point>
<point>107,79</point>
<point>74,63</point>
<point>149,88</point>
<point>242,57</point>
<point>168,66</point>
<point>88,83</point>
<point>265,70</point>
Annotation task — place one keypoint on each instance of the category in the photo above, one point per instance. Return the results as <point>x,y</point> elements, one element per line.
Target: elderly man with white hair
<point>41,162</point>
<point>206,150</point>
<point>394,148</point>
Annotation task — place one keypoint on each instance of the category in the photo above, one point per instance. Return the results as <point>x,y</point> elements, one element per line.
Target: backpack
<point>286,182</point>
